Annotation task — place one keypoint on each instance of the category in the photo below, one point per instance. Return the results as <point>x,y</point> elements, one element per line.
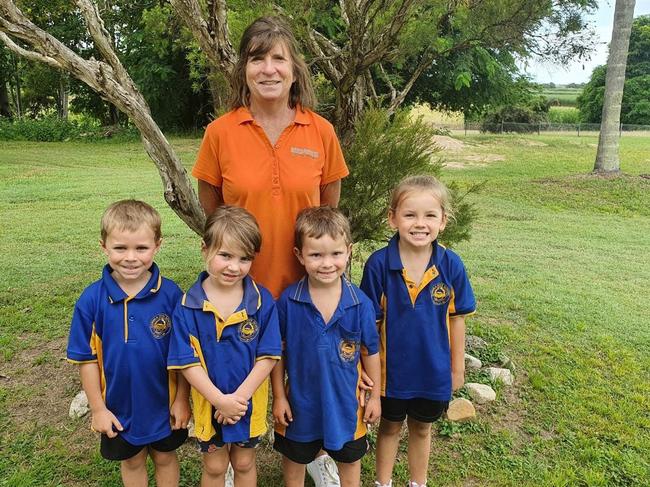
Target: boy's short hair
<point>232,225</point>
<point>130,215</point>
<point>317,221</point>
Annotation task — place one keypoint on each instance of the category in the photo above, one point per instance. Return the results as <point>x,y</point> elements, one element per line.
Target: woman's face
<point>269,76</point>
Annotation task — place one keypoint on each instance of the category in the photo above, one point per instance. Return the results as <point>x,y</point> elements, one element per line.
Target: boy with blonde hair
<point>328,329</point>
<point>119,336</point>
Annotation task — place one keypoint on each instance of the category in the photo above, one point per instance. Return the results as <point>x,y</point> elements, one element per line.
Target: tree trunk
<point>607,157</point>
<point>5,110</point>
<point>62,100</point>
<point>347,110</point>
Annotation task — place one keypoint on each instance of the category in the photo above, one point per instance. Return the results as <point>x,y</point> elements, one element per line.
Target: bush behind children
<point>404,326</point>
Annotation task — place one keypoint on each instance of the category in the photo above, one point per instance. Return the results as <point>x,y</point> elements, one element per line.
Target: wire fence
<point>543,128</point>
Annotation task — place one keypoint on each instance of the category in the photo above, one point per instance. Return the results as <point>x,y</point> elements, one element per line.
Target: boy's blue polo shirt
<point>128,337</point>
<point>227,349</point>
<point>323,366</point>
<point>413,320</point>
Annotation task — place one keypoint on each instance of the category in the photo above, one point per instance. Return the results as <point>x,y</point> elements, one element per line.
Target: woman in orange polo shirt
<point>271,154</point>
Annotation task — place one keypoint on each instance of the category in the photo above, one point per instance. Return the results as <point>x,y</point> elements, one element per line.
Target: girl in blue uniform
<point>226,340</point>
<point>421,295</point>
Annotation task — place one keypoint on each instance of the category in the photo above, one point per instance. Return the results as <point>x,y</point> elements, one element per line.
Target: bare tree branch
<point>31,55</point>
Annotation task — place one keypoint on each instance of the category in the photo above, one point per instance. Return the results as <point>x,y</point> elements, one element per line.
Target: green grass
<point>560,265</point>
<point>564,96</point>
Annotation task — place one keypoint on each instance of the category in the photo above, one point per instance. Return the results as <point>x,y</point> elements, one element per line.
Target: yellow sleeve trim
<point>180,367</point>
<point>273,357</point>
<point>462,314</point>
<point>80,362</point>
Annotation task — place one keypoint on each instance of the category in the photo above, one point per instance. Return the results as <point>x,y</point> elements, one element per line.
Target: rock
<point>190,428</point>
<point>460,409</point>
<point>472,363</point>
<point>506,363</point>
<point>480,393</point>
<point>472,342</point>
<point>79,406</point>
<point>504,375</point>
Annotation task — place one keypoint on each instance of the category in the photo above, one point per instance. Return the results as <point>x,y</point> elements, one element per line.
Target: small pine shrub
<point>383,151</point>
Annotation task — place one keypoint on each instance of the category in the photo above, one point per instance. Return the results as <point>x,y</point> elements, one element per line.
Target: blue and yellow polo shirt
<point>323,364</point>
<point>413,320</point>
<point>227,349</point>
<point>128,337</point>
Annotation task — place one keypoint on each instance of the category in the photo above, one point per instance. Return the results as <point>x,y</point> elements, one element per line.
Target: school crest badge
<point>348,350</point>
<point>248,330</point>
<point>441,293</point>
<point>160,325</point>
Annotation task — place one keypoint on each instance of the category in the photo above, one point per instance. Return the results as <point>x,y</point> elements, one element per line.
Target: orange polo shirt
<point>273,182</point>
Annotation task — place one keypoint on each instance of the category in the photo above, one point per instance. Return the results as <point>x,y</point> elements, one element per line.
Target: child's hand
<point>373,410</point>
<point>282,411</point>
<point>180,413</point>
<point>103,422</point>
<point>365,385</point>
<point>457,379</point>
<point>230,407</point>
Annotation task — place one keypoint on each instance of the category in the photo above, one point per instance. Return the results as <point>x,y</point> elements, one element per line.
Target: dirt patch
<point>533,143</point>
<point>448,143</point>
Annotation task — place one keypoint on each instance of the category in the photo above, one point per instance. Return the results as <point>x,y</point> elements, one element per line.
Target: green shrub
<point>564,115</point>
<point>54,129</point>
<point>383,151</point>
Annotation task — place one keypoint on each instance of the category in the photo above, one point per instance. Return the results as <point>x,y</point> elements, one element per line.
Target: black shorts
<point>119,449</point>
<point>419,409</point>
<point>305,453</point>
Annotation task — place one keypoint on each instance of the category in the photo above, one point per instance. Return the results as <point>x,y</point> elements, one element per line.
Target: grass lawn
<point>559,261</point>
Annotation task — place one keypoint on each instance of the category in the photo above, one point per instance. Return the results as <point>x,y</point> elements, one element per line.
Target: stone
<point>190,428</point>
<point>472,363</point>
<point>472,342</point>
<point>460,409</point>
<point>480,393</point>
<point>506,363</point>
<point>504,375</point>
<point>79,406</point>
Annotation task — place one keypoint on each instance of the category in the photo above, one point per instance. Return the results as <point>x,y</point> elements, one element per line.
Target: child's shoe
<point>415,484</point>
<point>389,484</point>
<point>324,472</point>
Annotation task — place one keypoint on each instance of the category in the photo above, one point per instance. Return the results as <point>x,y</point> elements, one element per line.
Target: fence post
<point>620,130</point>
<point>578,129</point>
<point>501,125</point>
<point>465,123</point>
<point>539,127</point>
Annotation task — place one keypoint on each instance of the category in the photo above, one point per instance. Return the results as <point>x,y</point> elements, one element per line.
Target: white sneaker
<point>415,484</point>
<point>230,477</point>
<point>389,484</point>
<point>324,472</point>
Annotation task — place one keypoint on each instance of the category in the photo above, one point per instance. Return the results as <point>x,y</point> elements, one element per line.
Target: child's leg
<point>243,463</point>
<point>294,473</point>
<point>419,449</point>
<point>167,469</point>
<point>350,473</point>
<point>134,470</point>
<point>215,464</point>
<point>387,445</point>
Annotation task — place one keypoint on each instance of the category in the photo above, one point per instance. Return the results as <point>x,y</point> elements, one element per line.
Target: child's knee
<point>243,463</point>
<point>389,428</point>
<point>162,459</point>
<point>214,464</point>
<point>418,428</point>
<point>137,461</point>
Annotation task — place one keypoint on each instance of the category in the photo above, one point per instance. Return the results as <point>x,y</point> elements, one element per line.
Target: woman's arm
<point>210,196</point>
<point>330,194</point>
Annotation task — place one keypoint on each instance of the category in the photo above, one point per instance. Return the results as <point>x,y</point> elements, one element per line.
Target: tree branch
<point>31,55</point>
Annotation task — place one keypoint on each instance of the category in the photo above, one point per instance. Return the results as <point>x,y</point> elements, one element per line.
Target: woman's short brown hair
<point>258,39</point>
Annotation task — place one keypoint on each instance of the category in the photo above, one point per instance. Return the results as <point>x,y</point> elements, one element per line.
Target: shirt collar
<point>395,261</point>
<point>349,296</point>
<point>244,115</point>
<point>116,293</point>
<point>252,301</point>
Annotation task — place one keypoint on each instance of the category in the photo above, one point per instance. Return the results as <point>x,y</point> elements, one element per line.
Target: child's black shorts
<point>305,453</point>
<point>422,410</point>
<point>119,449</point>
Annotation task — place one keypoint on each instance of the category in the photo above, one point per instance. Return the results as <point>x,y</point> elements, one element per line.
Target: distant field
<point>564,96</point>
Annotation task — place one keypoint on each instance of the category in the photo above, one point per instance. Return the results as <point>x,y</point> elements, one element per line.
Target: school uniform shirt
<point>227,349</point>
<point>272,181</point>
<point>323,365</point>
<point>413,320</point>
<point>128,338</point>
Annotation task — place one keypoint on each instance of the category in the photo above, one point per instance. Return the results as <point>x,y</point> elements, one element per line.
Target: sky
<point>580,72</point>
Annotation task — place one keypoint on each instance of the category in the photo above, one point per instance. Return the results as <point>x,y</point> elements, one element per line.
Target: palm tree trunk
<point>607,157</point>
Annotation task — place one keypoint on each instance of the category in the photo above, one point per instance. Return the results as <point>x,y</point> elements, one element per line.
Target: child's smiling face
<point>324,258</point>
<point>418,218</point>
<point>130,254</point>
